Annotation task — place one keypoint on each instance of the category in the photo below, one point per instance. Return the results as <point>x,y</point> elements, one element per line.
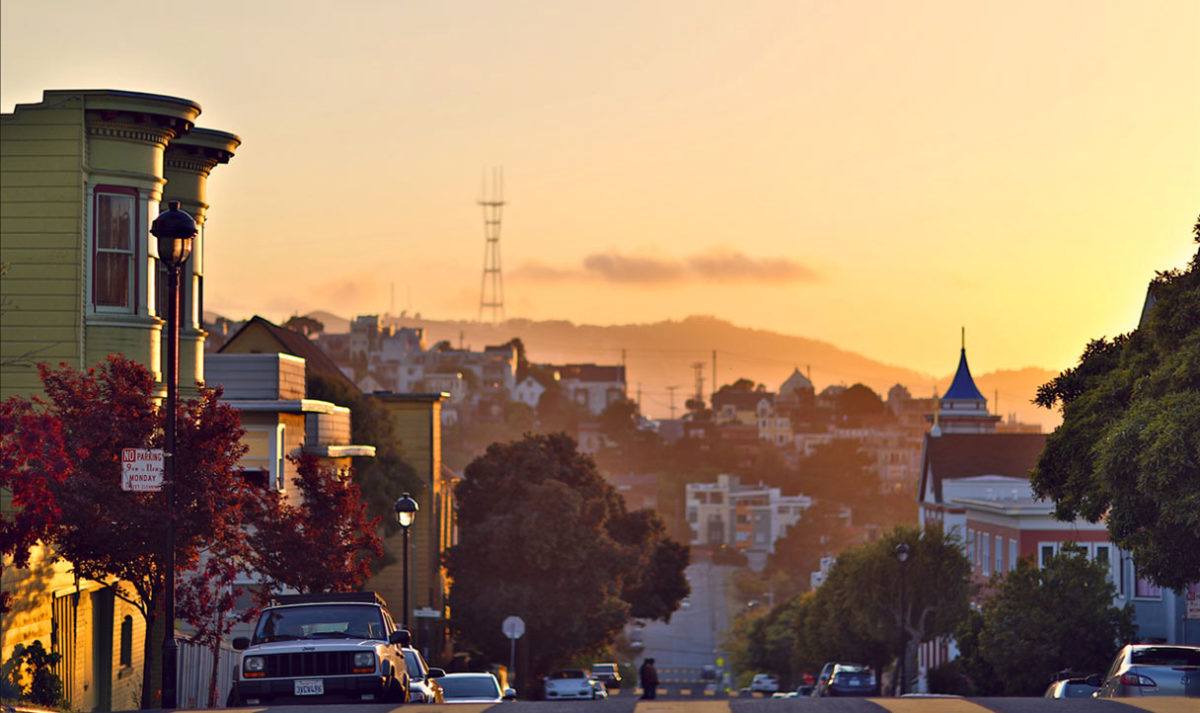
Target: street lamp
<point>406,514</point>
<point>175,230</point>
<point>901,553</point>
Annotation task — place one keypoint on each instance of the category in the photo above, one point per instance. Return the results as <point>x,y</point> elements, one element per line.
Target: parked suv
<point>846,679</point>
<point>318,648</point>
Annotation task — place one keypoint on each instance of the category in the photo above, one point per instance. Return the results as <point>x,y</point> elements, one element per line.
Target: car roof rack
<point>329,598</point>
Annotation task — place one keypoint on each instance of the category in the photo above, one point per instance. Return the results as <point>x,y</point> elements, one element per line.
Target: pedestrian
<point>649,678</point>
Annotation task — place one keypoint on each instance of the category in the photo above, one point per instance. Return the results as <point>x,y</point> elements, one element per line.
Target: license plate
<point>855,682</point>
<point>310,687</point>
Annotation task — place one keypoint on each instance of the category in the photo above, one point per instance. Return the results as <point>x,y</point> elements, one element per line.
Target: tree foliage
<point>206,599</point>
<point>324,544</point>
<point>1041,621</point>
<point>1128,449</point>
<point>382,477</point>
<point>542,536</point>
<point>856,615</point>
<point>65,451</point>
<point>33,461</point>
<point>110,535</point>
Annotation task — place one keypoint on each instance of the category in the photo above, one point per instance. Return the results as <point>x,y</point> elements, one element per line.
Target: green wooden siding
<point>42,189</point>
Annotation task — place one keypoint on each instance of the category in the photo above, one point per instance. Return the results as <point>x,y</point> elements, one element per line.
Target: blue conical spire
<point>963,386</point>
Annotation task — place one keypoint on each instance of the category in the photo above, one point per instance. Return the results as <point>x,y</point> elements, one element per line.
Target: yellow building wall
<point>253,339</point>
<point>41,187</point>
<point>417,420</point>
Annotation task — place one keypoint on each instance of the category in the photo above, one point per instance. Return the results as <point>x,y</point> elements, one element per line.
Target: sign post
<point>142,469</point>
<point>514,628</point>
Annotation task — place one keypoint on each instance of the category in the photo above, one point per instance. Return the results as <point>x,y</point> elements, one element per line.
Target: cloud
<point>635,270</point>
<point>724,267</point>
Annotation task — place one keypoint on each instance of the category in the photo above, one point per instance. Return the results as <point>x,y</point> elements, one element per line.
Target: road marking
<point>682,707</point>
<point>928,705</point>
<point>1165,704</point>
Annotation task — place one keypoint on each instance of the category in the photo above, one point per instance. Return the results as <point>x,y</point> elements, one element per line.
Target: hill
<point>665,354</point>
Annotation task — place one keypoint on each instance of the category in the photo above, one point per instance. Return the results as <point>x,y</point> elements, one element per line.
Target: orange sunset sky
<point>875,174</point>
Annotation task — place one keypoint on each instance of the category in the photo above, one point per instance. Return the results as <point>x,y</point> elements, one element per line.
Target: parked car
<point>569,683</point>
<point>708,673</point>
<point>1073,687</point>
<point>601,690</point>
<point>607,673</point>
<point>322,647</point>
<point>423,686</point>
<point>474,688</point>
<point>847,679</point>
<point>1153,670</point>
<point>805,690</point>
<point>764,683</point>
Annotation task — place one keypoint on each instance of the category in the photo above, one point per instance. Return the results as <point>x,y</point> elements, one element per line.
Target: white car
<point>474,688</point>
<point>764,683</point>
<point>570,683</point>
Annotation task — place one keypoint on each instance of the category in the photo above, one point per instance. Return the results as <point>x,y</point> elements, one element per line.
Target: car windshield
<point>1078,690</point>
<point>469,687</point>
<point>1166,656</point>
<point>327,621</point>
<point>568,673</point>
<point>412,661</point>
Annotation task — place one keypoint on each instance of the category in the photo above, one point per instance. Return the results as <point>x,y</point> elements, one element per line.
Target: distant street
<point>627,703</point>
<point>691,641</point>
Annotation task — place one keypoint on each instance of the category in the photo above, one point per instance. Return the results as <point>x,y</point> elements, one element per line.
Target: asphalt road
<point>627,703</point>
<point>693,637</point>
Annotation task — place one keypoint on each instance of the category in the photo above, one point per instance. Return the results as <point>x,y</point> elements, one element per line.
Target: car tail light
<point>1136,679</point>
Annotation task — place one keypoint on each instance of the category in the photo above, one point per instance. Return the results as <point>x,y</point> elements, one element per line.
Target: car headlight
<point>253,666</point>
<point>365,660</point>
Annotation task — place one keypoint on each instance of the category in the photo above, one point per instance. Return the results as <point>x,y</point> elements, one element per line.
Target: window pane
<point>112,279</point>
<point>114,222</point>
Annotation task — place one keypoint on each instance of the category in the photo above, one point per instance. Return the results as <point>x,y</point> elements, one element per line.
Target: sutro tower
<point>491,292</point>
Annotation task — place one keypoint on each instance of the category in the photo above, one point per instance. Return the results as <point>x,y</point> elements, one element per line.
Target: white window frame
<point>132,252</point>
<point>1013,554</point>
<point>1041,555</point>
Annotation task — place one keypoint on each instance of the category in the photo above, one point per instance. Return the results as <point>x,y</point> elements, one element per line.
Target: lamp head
<point>175,230</point>
<point>902,551</point>
<point>406,511</point>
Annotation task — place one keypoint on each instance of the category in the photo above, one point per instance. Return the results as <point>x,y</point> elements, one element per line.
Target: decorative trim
<point>154,137</point>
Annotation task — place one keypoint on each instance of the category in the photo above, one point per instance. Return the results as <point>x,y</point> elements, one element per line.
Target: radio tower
<point>491,292</point>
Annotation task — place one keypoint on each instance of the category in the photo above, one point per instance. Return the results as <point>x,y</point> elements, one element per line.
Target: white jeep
<point>321,648</point>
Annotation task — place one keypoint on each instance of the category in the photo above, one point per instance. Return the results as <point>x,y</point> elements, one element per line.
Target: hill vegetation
<point>663,354</point>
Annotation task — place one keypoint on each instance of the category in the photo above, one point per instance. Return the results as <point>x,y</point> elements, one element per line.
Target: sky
<point>874,174</point>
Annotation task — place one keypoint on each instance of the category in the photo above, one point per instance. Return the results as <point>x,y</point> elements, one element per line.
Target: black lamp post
<point>175,230</point>
<point>406,514</point>
<point>901,553</point>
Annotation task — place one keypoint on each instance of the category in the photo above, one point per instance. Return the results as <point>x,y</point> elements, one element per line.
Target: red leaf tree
<point>117,537</point>
<point>207,600</point>
<point>325,544</point>
<point>33,459</point>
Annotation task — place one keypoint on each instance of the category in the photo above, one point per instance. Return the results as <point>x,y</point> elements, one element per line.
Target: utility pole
<point>671,391</point>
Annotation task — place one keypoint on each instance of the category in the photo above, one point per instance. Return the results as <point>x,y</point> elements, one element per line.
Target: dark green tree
<point>857,612</point>
<point>1041,621</point>
<point>544,537</point>
<point>857,402</point>
<point>1128,449</point>
<point>619,421</point>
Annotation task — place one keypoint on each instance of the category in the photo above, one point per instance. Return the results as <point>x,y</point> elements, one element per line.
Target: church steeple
<point>963,408</point>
